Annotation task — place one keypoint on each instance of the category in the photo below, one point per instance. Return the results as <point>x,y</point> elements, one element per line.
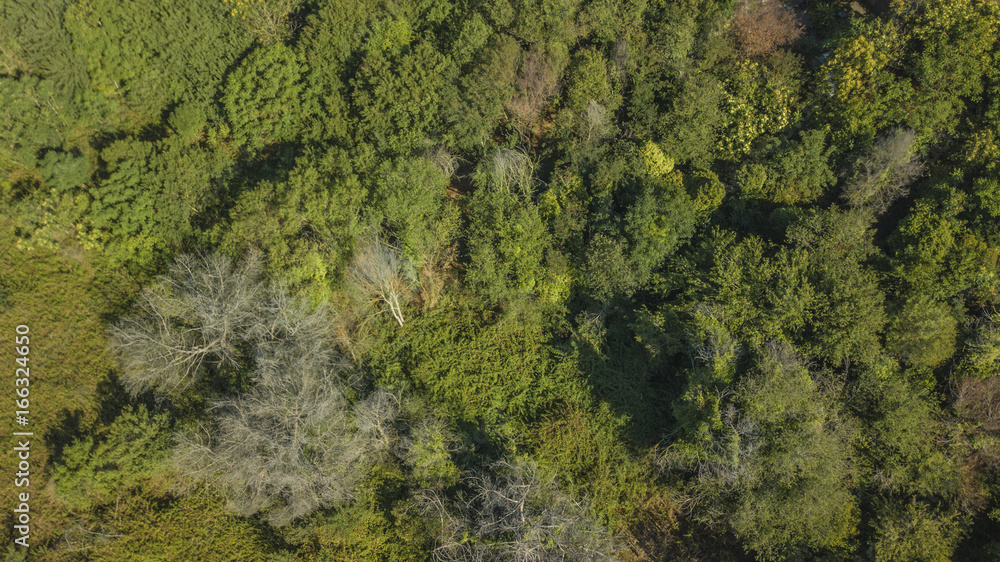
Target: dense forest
<point>485,280</point>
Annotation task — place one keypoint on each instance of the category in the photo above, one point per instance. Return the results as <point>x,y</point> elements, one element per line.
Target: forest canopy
<point>504,279</point>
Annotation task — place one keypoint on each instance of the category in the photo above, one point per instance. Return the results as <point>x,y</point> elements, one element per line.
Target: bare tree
<point>443,160</point>
<point>516,514</point>
<point>508,171</point>
<point>884,174</point>
<point>268,20</point>
<point>537,83</point>
<point>288,448</point>
<point>760,27</point>
<point>380,273</point>
<point>295,442</point>
<point>978,399</point>
<point>195,317</point>
<point>596,121</point>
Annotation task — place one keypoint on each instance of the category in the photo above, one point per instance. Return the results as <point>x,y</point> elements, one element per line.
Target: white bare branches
<point>289,448</point>
<point>885,173</point>
<point>517,514</point>
<point>295,442</point>
<point>381,274</point>
<point>508,171</point>
<point>197,316</point>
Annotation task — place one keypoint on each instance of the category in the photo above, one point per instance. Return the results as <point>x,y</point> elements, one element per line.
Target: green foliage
<point>328,41</point>
<point>397,97</point>
<point>936,253</point>
<point>63,171</point>
<point>744,288</point>
<point>155,54</point>
<point>751,179</point>
<point>950,57</point>
<point>411,196</point>
<point>770,448</point>
<point>800,171</point>
<point>982,354</point>
<point>304,223</point>
<point>691,126</point>
<point>477,106</point>
<point>732,295</point>
<point>586,444</point>
<point>542,22</point>
<point>475,367</point>
<point>381,525</point>
<point>33,119</point>
<point>37,42</point>
<point>758,101</point>
<point>133,451</point>
<point>864,93</point>
<point>507,239</point>
<point>429,455</point>
<point>916,531</point>
<point>802,466</point>
<point>589,80</point>
<point>188,120</point>
<point>267,20</point>
<point>898,446</point>
<point>150,199</point>
<point>850,312</point>
<point>607,272</point>
<point>262,97</point>
<point>923,332</point>
<point>706,192</point>
<point>154,527</point>
<point>659,217</point>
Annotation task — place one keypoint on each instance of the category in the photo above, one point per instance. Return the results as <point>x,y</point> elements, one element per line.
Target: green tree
<point>262,97</point>
<point>916,531</point>
<point>691,126</point>
<point>152,197</point>
<point>135,449</point>
<point>303,223</point>
<point>898,448</point>
<point>798,172</point>
<point>860,80</point>
<point>153,55</point>
<point>490,85</point>
<point>507,238</point>
<point>936,253</point>
<point>923,332</point>
<point>411,196</point>
<point>764,447</point>
<point>397,96</point>
<point>803,464</point>
<point>850,310</point>
<point>33,119</point>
